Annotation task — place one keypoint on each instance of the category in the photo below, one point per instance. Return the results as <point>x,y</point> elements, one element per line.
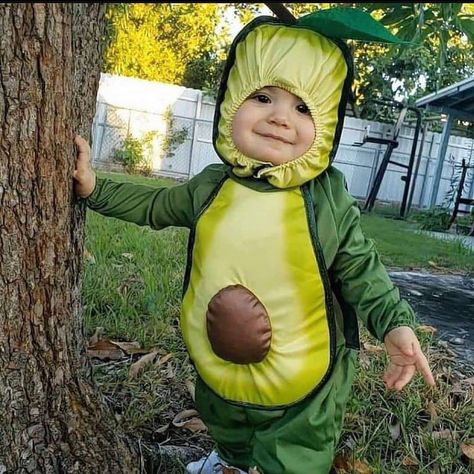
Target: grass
<point>401,244</point>
<point>132,288</point>
<point>396,432</point>
<point>135,281</point>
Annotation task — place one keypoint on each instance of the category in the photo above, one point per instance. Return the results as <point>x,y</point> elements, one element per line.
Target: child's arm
<point>365,286</point>
<point>361,279</point>
<point>142,205</point>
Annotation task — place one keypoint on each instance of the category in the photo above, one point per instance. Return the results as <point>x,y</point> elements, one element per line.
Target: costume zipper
<point>330,313</point>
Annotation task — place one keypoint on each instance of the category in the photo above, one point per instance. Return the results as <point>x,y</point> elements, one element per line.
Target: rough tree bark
<point>51,418</point>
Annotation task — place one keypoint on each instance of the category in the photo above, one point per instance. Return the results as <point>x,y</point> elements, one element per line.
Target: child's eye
<point>303,109</point>
<point>264,99</point>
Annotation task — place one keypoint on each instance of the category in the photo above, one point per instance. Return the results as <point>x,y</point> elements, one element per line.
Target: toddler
<point>278,268</point>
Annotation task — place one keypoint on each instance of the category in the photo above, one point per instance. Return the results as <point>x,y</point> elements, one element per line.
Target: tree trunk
<point>52,420</point>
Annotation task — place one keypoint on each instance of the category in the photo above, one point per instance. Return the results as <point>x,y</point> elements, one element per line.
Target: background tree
<point>51,418</point>
<point>178,43</point>
<point>438,26</point>
<point>441,55</point>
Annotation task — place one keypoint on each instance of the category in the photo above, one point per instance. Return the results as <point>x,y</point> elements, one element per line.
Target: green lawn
<point>132,289</point>
<point>401,244</point>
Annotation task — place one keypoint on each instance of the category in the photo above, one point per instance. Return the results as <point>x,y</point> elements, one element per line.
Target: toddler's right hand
<point>84,176</point>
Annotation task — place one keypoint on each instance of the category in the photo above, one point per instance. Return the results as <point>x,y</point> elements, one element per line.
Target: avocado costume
<point>278,268</point>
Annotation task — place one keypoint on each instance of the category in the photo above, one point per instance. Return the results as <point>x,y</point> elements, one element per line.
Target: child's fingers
<point>392,374</point>
<point>83,161</point>
<point>397,376</point>
<point>83,149</point>
<point>80,142</point>
<point>407,374</point>
<point>424,368</point>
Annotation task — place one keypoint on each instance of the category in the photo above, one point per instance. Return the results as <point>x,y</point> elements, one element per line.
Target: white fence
<point>127,106</point>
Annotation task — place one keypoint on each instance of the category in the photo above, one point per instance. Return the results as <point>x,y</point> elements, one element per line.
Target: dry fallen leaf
<point>468,448</point>
<point>189,419</point>
<point>371,348</point>
<point>140,364</point>
<point>426,329</point>
<point>170,371</point>
<point>164,359</point>
<point>88,256</point>
<point>97,336</point>
<point>430,406</point>
<point>434,265</point>
<point>341,465</point>
<point>104,349</point>
<point>191,389</point>
<point>131,347</point>
<point>162,429</point>
<point>361,468</point>
<point>344,465</point>
<point>444,434</point>
<point>409,461</point>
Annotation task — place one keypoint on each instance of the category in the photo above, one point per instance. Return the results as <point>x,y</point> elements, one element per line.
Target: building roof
<point>456,100</point>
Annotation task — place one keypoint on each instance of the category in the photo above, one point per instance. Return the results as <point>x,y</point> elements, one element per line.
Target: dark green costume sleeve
<point>362,280</point>
<point>143,205</point>
<point>151,206</point>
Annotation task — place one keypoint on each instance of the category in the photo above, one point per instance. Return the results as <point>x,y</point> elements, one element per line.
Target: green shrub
<point>436,219</point>
<point>173,137</point>
<point>134,155</point>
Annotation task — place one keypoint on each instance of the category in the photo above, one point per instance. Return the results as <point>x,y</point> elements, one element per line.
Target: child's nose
<point>279,117</point>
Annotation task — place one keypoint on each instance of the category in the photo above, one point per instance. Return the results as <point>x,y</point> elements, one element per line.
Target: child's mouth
<point>275,137</point>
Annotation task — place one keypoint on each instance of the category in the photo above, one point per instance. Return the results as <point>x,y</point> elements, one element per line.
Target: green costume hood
<point>307,58</point>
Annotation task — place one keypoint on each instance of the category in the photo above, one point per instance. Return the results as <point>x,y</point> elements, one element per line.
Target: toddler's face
<point>273,125</point>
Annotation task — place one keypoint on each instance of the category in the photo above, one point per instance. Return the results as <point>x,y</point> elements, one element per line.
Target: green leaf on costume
<point>456,8</point>
<point>348,23</point>
<point>383,6</point>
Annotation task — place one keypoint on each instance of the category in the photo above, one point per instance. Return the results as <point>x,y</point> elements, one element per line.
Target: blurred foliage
<point>174,136</point>
<point>435,219</point>
<point>134,154</point>
<point>440,55</point>
<point>177,43</point>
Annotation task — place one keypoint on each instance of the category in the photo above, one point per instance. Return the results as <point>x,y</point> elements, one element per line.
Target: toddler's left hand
<point>406,357</point>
